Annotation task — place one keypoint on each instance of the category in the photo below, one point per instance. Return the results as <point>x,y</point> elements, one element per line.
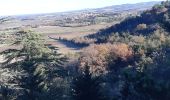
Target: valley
<point>68,25</point>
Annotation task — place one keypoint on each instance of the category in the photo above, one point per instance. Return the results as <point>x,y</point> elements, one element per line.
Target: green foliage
<point>146,85</point>
<point>87,87</point>
<point>38,66</point>
<point>5,92</point>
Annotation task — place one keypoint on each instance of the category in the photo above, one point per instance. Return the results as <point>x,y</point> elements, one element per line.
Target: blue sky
<point>15,7</point>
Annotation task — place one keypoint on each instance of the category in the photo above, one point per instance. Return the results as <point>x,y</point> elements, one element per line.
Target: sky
<point>18,7</point>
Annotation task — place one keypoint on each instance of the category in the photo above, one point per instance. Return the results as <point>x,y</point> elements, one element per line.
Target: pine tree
<point>4,92</point>
<point>87,87</point>
<point>37,63</point>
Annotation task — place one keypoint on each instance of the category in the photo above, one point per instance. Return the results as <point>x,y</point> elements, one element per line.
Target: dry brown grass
<point>69,32</point>
<point>54,32</point>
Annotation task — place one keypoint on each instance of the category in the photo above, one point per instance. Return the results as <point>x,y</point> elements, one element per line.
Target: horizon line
<point>76,10</point>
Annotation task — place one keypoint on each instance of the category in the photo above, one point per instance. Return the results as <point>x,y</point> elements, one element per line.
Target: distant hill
<point>110,9</point>
<point>126,7</point>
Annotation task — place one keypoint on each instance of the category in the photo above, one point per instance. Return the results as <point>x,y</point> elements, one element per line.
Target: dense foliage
<point>33,67</point>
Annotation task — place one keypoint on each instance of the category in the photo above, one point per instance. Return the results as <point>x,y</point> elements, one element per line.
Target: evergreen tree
<point>4,92</point>
<point>87,87</point>
<point>37,63</point>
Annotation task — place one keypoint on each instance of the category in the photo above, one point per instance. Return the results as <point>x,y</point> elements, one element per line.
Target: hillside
<point>144,24</point>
